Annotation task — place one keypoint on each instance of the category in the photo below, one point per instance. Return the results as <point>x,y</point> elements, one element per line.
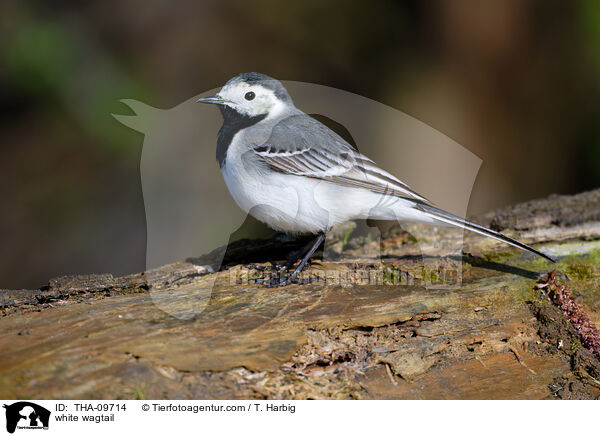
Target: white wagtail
<point>293,173</point>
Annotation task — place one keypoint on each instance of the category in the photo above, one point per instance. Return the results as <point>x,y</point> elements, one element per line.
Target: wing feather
<point>302,146</point>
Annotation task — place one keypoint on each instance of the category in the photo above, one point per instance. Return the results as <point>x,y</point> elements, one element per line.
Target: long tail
<point>449,218</point>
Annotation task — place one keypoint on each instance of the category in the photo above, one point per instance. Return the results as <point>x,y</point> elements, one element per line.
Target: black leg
<point>308,251</point>
<point>305,259</point>
<point>292,258</point>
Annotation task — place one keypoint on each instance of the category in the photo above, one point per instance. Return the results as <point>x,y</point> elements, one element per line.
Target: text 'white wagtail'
<point>293,173</point>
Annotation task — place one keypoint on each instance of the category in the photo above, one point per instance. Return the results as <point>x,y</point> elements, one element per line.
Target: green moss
<point>523,290</point>
<point>395,275</point>
<point>401,275</point>
<point>580,271</point>
<point>593,257</point>
<point>497,256</point>
<point>580,267</point>
<point>139,392</point>
<point>346,237</point>
<point>391,273</point>
<point>534,263</point>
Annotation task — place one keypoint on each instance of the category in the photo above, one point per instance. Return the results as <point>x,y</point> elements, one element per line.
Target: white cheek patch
<point>260,105</point>
<point>264,102</point>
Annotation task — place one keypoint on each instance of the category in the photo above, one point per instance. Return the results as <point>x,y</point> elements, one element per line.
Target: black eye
<point>249,96</point>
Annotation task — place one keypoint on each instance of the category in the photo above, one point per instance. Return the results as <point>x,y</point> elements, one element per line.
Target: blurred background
<point>516,82</point>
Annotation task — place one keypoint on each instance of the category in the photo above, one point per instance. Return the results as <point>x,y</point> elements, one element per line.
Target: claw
<point>261,268</point>
<point>274,267</point>
<point>275,281</point>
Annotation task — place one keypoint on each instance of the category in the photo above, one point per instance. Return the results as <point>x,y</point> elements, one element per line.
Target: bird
<point>293,173</point>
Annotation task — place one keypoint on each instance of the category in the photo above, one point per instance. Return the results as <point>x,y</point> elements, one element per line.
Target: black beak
<point>213,99</point>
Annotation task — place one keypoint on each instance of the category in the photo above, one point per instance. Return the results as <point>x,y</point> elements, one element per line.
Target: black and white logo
<point>26,415</point>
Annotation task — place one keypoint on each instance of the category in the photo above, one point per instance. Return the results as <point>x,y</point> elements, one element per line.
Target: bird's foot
<point>276,268</point>
<point>277,280</point>
<point>273,268</point>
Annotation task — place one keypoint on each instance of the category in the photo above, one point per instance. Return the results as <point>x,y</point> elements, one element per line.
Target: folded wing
<point>302,146</point>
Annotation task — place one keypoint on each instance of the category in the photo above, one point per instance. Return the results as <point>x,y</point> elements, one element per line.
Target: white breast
<point>271,197</point>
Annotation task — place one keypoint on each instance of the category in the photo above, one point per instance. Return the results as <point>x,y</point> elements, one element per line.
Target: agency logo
<point>26,415</point>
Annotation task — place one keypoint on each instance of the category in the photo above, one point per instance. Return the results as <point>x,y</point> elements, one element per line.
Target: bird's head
<point>251,95</point>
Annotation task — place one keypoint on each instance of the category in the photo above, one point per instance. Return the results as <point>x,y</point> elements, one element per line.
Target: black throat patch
<point>233,122</point>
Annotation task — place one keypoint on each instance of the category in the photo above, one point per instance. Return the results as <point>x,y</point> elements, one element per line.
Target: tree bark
<point>386,322</point>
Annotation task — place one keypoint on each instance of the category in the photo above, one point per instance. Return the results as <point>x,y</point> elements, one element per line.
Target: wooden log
<point>378,327</point>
